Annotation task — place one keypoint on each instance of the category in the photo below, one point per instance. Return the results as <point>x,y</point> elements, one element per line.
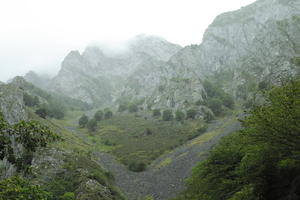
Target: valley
<point>153,120</point>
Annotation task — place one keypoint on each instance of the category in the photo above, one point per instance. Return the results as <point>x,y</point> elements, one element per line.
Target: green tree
<point>179,115</point>
<point>122,107</point>
<point>156,113</point>
<point>29,135</point>
<point>167,115</point>
<point>98,115</point>
<point>30,100</point>
<point>92,125</point>
<point>191,114</point>
<point>16,188</point>
<point>216,106</point>
<point>262,161</point>
<point>108,114</point>
<point>83,120</point>
<point>133,108</point>
<point>42,112</point>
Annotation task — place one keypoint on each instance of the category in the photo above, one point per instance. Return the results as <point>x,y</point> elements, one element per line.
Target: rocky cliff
<point>95,77</point>
<point>239,50</point>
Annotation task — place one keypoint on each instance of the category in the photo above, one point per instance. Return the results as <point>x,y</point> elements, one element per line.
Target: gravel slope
<point>164,181</point>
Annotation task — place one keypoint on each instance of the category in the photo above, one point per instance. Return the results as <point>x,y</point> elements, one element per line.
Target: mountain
<point>36,79</point>
<point>94,76</point>
<point>240,49</point>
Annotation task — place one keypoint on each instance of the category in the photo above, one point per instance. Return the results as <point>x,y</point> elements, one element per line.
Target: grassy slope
<point>125,135</point>
<point>76,163</point>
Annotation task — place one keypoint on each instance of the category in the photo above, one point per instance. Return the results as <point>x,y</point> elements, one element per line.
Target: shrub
<point>98,115</point>
<point>91,125</point>
<point>167,115</point>
<point>30,100</point>
<point>133,108</point>
<point>179,115</point>
<point>17,188</point>
<point>42,112</point>
<point>68,196</point>
<point>122,107</point>
<point>191,114</point>
<point>83,121</point>
<point>216,106</point>
<point>136,166</point>
<point>228,101</point>
<point>156,113</point>
<point>108,114</point>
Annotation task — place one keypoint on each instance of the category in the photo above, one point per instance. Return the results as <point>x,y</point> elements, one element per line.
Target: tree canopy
<point>262,161</point>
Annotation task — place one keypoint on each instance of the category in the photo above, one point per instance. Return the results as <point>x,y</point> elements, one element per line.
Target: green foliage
<point>262,161</point>
<point>156,113</point>
<point>83,120</point>
<point>167,115</point>
<point>133,108</point>
<point>30,135</point>
<point>16,188</point>
<point>191,114</point>
<point>68,196</point>
<point>123,107</point>
<point>77,169</point>
<point>216,106</point>
<point>42,112</point>
<point>136,166</point>
<point>92,125</point>
<point>179,115</point>
<point>99,115</point>
<point>216,98</point>
<point>30,100</point>
<point>108,114</point>
<point>132,138</point>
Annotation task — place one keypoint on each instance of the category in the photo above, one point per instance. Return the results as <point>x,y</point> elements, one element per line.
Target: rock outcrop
<point>240,49</point>
<point>11,103</point>
<point>95,77</point>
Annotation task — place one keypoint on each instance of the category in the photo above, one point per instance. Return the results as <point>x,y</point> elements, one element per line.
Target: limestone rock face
<point>244,47</point>
<point>95,77</point>
<point>11,102</point>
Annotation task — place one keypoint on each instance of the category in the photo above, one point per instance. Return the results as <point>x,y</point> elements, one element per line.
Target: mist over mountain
<point>135,120</point>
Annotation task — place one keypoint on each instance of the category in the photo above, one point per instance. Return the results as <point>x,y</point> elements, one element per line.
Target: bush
<point>191,114</point>
<point>68,196</point>
<point>108,114</point>
<point>156,113</point>
<point>136,166</point>
<point>216,106</point>
<point>122,107</point>
<point>30,100</point>
<point>98,115</point>
<point>228,101</point>
<point>167,115</point>
<point>42,112</point>
<point>179,115</point>
<point>133,108</point>
<point>83,121</point>
<point>91,125</point>
<point>16,188</point>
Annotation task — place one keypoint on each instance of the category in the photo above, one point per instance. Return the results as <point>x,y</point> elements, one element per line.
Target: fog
<point>37,35</point>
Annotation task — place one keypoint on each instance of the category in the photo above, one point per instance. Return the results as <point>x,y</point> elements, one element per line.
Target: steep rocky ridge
<point>253,44</point>
<point>94,76</point>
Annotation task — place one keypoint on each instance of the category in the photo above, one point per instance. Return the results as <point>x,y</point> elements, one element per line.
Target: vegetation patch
<point>164,163</point>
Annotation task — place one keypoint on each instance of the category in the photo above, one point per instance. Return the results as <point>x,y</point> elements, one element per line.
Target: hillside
<point>146,121</point>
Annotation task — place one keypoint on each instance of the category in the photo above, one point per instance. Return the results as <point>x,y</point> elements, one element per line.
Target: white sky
<point>37,34</point>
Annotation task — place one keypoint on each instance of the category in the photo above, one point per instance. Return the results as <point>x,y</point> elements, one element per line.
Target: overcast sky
<point>37,34</point>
